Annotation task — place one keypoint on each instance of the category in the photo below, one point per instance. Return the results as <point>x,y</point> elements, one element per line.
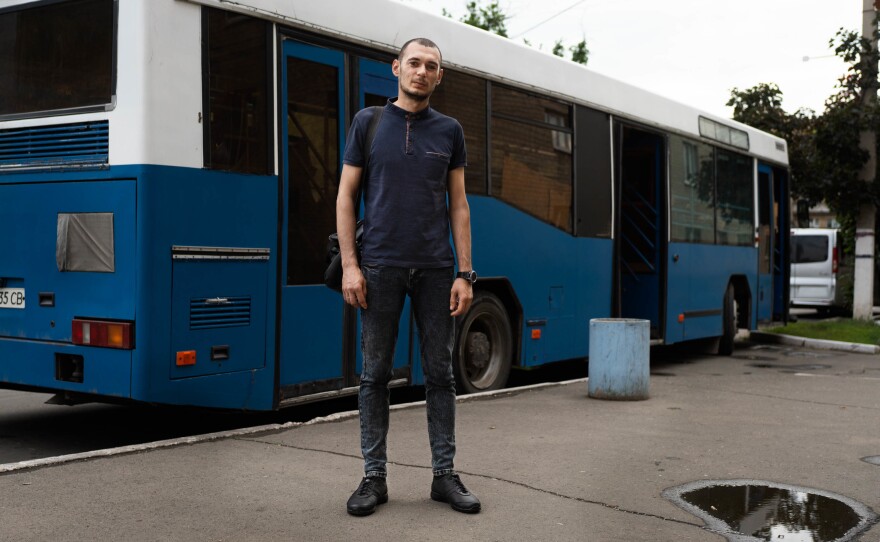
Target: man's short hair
<point>425,42</point>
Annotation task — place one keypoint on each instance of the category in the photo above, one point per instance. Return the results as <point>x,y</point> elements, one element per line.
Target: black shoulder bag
<point>333,274</point>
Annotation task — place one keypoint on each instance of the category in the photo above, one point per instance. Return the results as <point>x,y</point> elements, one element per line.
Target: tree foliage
<point>492,18</point>
<point>824,151</point>
<point>761,107</point>
<point>579,52</point>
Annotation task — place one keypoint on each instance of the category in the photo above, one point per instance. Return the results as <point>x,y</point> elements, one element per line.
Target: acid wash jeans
<point>429,289</point>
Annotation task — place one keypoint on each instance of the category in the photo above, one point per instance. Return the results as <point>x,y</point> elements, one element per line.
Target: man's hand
<point>461,297</point>
<point>354,287</point>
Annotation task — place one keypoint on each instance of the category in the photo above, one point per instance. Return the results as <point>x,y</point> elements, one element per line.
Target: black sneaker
<point>449,488</point>
<point>372,492</point>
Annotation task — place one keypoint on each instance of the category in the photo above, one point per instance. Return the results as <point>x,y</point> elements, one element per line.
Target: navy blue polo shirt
<point>406,220</point>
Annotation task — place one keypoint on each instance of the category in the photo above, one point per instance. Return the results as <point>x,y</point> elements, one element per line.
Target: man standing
<point>417,158</point>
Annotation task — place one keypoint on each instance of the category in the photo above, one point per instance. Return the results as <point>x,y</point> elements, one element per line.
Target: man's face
<point>418,71</point>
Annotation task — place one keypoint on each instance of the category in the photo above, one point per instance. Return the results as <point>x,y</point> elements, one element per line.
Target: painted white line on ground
<point>220,435</point>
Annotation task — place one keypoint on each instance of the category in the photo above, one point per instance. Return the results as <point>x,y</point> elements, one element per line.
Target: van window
<point>809,248</point>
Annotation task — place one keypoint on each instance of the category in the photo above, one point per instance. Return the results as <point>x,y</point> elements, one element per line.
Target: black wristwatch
<point>470,276</point>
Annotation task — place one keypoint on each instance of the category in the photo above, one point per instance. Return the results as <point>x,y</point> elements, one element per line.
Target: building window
<point>561,140</point>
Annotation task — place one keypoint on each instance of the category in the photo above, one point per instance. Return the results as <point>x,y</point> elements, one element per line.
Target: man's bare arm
<point>460,220</point>
<point>354,287</point>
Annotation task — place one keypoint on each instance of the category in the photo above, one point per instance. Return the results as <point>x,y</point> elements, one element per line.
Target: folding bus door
<point>640,226</point>
<point>312,140</point>
<point>766,243</point>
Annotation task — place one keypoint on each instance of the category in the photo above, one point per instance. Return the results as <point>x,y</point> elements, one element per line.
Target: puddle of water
<point>785,367</point>
<point>753,510</point>
<point>872,459</point>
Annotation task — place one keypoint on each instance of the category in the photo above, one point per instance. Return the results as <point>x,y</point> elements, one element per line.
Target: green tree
<point>761,107</point>
<point>492,18</point>
<point>825,154</point>
<point>579,52</point>
<point>847,114</point>
<point>824,151</point>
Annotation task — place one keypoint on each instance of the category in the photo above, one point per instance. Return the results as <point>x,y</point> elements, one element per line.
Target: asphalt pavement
<point>549,463</point>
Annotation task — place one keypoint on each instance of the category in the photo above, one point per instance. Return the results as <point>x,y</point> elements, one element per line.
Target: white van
<point>817,279</point>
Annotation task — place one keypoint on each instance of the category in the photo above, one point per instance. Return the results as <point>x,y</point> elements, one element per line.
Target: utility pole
<point>863,280</point>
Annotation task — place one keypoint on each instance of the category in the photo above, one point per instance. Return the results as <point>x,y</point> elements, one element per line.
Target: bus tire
<point>725,345</point>
<point>483,346</point>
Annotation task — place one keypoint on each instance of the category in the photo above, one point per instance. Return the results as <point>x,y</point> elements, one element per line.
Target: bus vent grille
<point>210,313</point>
<point>81,144</point>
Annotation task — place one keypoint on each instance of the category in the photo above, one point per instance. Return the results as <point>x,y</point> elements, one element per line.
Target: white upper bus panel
<point>388,24</point>
<point>155,113</point>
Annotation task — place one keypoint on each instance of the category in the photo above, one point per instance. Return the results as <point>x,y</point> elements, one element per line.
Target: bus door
<point>773,272</point>
<point>376,83</point>
<point>312,134</point>
<point>641,158</point>
<point>766,237</point>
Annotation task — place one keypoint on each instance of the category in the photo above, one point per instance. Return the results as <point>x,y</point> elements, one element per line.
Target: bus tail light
<point>834,260</point>
<point>103,333</point>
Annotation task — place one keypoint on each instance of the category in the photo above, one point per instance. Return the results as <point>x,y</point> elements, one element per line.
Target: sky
<point>693,51</point>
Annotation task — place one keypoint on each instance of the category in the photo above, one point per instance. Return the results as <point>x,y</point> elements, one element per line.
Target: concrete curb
<point>819,344</point>
<point>31,464</point>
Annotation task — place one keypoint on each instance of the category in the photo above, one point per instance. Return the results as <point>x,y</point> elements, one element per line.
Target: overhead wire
<point>548,19</point>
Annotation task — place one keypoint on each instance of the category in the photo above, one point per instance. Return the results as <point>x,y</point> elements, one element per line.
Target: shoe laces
<point>366,487</point>
<point>459,485</point>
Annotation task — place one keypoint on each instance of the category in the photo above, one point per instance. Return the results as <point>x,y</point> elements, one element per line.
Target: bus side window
<point>463,97</point>
<point>529,169</point>
<point>237,82</point>
<point>593,191</point>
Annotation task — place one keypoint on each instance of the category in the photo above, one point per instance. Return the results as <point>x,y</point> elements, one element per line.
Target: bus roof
<point>385,24</point>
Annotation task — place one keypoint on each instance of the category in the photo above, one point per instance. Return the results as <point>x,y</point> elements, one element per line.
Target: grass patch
<point>851,331</point>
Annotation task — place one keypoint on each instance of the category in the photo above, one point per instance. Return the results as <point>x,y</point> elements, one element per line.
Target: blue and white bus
<point>168,174</point>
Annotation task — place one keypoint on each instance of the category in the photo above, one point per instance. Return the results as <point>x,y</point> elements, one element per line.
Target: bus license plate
<point>11,298</point>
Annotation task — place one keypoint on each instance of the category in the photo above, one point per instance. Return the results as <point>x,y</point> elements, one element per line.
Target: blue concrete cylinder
<point>619,366</point>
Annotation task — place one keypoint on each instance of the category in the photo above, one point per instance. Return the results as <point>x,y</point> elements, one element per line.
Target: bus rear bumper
<point>56,366</point>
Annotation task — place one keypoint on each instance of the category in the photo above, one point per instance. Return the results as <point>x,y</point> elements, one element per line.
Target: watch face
<point>470,276</point>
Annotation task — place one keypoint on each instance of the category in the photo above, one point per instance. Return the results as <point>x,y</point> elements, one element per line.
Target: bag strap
<point>368,145</point>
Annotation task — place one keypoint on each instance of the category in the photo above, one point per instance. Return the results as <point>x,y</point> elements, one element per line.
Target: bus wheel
<point>483,346</point>
<point>725,345</point>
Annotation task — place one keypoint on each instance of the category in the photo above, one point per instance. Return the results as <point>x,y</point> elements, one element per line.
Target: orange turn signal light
<point>681,318</point>
<point>186,357</point>
<point>536,334</point>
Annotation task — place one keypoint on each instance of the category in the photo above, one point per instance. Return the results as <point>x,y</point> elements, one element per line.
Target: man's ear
<point>395,67</point>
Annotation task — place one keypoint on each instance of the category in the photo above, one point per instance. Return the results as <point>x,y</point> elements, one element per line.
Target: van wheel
<point>483,346</point>
<point>729,324</point>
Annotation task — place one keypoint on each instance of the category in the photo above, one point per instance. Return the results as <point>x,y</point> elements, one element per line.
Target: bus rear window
<point>809,248</point>
<point>56,56</point>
